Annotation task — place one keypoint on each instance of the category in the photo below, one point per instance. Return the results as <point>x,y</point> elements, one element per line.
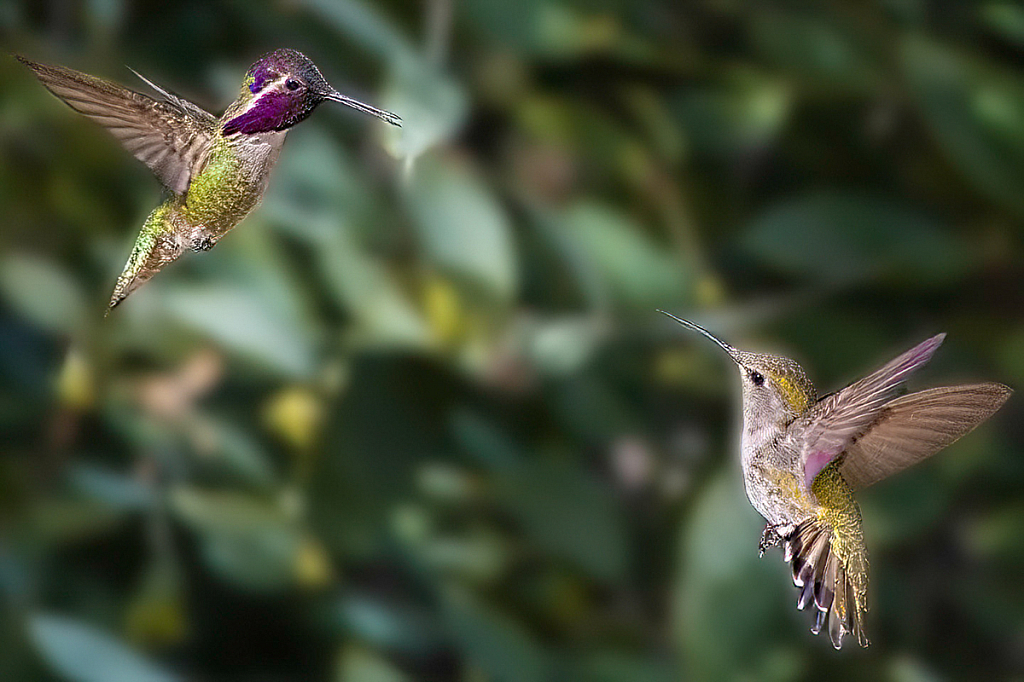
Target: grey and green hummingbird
<point>803,458</point>
<point>216,169</point>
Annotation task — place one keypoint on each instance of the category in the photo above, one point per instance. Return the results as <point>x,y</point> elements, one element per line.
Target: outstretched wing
<point>838,420</point>
<point>916,426</point>
<point>169,136</point>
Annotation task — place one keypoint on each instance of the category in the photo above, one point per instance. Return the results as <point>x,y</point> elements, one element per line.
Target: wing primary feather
<point>840,418</point>
<point>172,136</point>
<point>915,426</point>
<point>181,102</point>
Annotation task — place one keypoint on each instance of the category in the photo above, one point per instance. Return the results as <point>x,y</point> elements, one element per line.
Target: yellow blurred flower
<point>312,565</point>
<point>443,310</point>
<point>295,415</point>
<point>156,615</point>
<point>76,387</point>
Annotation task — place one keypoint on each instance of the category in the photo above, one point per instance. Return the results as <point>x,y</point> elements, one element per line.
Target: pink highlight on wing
<point>865,398</point>
<point>815,463</point>
<point>917,356</point>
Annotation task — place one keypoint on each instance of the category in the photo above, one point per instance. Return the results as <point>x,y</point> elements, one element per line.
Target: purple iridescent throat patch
<point>269,112</point>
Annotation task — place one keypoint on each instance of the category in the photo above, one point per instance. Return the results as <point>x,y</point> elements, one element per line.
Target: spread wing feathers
<point>171,136</point>
<point>916,426</point>
<point>200,114</point>
<point>836,420</point>
<point>839,600</point>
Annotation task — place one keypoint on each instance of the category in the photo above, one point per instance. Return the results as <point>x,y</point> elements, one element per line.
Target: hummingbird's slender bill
<point>804,457</point>
<point>215,168</point>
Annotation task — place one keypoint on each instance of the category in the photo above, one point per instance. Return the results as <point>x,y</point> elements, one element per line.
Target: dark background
<point>417,418</point>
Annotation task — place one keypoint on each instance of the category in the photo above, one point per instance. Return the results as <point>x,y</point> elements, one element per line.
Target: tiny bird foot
<point>202,243</point>
<point>769,538</point>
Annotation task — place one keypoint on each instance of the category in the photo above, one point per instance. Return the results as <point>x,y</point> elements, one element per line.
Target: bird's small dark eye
<point>292,84</point>
<point>757,378</point>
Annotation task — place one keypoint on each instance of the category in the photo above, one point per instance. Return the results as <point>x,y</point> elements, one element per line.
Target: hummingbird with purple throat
<point>216,169</point>
<point>803,457</point>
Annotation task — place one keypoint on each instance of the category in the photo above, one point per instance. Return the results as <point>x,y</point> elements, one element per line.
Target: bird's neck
<point>758,434</point>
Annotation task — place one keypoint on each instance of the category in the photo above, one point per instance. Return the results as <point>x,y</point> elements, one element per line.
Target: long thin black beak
<point>336,96</point>
<point>733,353</point>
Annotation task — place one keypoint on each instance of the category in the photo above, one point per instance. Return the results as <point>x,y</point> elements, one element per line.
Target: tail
<point>156,246</point>
<point>832,573</point>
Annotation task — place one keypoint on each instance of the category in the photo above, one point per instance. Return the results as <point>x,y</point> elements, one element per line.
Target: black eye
<point>756,377</point>
<point>292,84</point>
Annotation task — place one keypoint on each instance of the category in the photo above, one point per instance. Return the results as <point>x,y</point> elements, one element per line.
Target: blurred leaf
<point>114,489</point>
<point>388,625</point>
<point>107,14</point>
<point>907,668</point>
<point>432,104</point>
<point>728,603</point>
<point>461,225</point>
<point>447,483</point>
<point>569,515</point>
<point>560,30</point>
<point>256,561</point>
<point>497,644</point>
<point>479,557</point>
<point>363,665</point>
<point>43,293</point>
<point>617,666</point>
<point>82,653</point>
<point>976,111</point>
<point>839,237</point>
<point>240,453</point>
<point>317,188</point>
<point>227,512</point>
<point>60,520</point>
<point>326,203</point>
<point>515,26</point>
<point>376,438</point>
<point>746,112</point>
<point>1006,18</point>
<point>245,323</point>
<point>638,272</point>
<point>484,441</point>
<point>249,541</point>
<point>360,21</point>
<point>370,293</point>
<point>831,53</point>
<point>565,30</point>
<point>564,345</point>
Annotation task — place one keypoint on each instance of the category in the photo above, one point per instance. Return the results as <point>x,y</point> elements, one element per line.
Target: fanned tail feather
<point>156,246</point>
<point>836,590</point>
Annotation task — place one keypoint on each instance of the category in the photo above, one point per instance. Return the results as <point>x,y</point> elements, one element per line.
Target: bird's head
<point>281,89</point>
<point>775,389</point>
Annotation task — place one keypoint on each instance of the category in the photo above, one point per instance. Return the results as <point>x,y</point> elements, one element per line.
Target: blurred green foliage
<point>416,419</point>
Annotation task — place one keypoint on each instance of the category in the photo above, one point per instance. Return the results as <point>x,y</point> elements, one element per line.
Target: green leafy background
<point>417,418</point>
